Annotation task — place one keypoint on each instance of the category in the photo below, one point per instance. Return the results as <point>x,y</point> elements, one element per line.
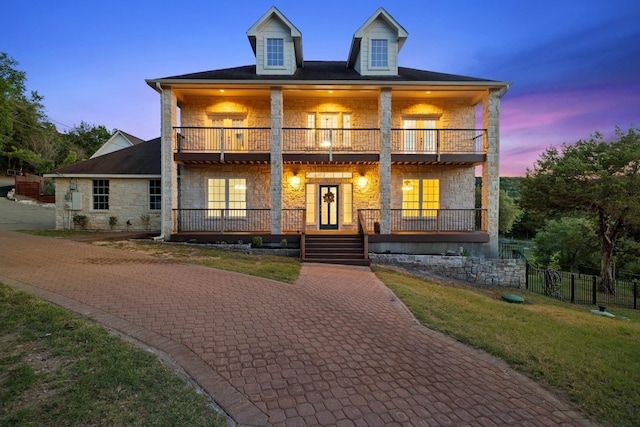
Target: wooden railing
<point>364,234</point>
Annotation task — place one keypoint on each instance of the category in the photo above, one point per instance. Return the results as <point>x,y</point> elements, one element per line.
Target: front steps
<point>347,249</point>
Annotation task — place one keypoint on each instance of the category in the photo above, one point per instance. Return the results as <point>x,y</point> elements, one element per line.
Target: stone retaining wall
<point>473,270</point>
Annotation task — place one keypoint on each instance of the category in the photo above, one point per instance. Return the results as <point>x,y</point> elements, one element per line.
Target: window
<point>101,194</point>
<point>379,53</point>
<point>275,53</point>
<point>347,203</point>
<point>229,195</point>
<point>420,198</point>
<point>311,203</point>
<point>155,194</point>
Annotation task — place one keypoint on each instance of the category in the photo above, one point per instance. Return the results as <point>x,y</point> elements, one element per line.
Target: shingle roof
<point>325,70</point>
<point>133,139</point>
<point>139,159</point>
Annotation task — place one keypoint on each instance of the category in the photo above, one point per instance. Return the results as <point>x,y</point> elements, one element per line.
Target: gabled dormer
<point>276,43</point>
<point>376,44</point>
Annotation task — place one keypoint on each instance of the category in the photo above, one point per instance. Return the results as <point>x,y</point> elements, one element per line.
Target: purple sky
<point>574,64</point>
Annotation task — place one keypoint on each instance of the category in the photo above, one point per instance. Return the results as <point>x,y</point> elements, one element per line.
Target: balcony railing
<point>357,141</point>
<point>428,220</point>
<point>235,220</point>
<point>223,140</point>
<point>438,141</point>
<point>217,140</point>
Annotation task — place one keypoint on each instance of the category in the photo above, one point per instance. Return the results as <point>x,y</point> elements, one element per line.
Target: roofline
<point>98,176</point>
<point>271,83</point>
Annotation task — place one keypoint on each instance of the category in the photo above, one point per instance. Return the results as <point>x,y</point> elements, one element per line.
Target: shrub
<point>81,221</point>
<point>283,243</point>
<point>256,242</point>
<point>146,221</point>
<point>113,220</point>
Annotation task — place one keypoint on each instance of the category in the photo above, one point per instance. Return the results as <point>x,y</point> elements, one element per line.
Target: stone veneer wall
<point>473,270</point>
<point>128,200</point>
<point>193,185</point>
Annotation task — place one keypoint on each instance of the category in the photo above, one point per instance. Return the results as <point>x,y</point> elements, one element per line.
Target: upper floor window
<point>100,194</point>
<point>379,53</point>
<point>275,52</point>
<point>155,194</point>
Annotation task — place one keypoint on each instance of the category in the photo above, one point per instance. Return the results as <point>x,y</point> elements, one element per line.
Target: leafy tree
<point>86,138</point>
<point>598,178</point>
<point>508,213</point>
<point>572,238</point>
<point>11,92</point>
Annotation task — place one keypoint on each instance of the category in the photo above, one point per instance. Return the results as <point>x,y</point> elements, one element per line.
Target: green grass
<point>283,269</point>
<point>59,369</point>
<point>593,359</point>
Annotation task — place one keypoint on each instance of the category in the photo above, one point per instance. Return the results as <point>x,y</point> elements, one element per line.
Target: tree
<point>598,178</point>
<point>573,238</point>
<point>508,213</point>
<point>86,138</point>
<point>11,93</point>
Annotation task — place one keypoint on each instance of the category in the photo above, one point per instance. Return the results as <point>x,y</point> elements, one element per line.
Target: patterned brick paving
<point>335,348</point>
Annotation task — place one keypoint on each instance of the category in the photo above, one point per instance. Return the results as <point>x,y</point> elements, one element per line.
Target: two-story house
<point>360,149</point>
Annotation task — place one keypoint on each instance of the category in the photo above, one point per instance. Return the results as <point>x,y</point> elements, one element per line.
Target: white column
<point>169,169</point>
<point>385,161</point>
<point>276,160</point>
<point>491,168</point>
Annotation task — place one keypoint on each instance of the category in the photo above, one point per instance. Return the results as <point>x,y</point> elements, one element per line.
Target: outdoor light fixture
<point>361,181</point>
<point>294,180</point>
<point>406,186</point>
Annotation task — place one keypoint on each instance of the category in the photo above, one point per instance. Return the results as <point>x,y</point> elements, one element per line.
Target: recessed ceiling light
<point>221,90</point>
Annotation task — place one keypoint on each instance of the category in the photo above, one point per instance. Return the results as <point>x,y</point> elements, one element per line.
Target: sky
<point>574,65</point>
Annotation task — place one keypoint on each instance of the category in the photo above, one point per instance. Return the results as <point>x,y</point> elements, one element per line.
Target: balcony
<point>215,145</point>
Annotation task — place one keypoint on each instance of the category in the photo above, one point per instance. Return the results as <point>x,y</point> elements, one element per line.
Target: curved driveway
<point>335,348</point>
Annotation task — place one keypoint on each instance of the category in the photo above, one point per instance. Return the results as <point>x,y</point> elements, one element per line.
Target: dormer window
<point>379,53</point>
<point>275,52</point>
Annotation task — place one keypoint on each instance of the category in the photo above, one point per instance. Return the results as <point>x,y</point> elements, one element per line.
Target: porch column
<point>491,169</point>
<point>276,160</point>
<point>385,160</point>
<point>169,168</point>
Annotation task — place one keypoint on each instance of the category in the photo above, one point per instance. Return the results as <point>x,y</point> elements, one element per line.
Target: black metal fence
<point>585,289</point>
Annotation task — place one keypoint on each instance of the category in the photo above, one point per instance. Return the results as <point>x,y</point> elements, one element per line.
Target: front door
<point>329,207</point>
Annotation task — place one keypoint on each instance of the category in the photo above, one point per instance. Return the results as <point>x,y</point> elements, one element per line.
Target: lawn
<point>595,360</point>
<point>57,368</point>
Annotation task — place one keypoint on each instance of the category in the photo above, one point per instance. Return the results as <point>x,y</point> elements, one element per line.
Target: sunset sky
<point>574,65</point>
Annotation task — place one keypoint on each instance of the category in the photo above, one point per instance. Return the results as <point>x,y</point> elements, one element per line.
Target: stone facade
<point>128,201</point>
<point>473,270</point>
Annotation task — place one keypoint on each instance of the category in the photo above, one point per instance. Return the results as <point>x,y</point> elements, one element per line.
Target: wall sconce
<point>295,180</point>
<point>361,181</point>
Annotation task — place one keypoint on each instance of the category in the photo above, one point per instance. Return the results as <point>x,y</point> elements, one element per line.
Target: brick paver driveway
<point>335,348</point>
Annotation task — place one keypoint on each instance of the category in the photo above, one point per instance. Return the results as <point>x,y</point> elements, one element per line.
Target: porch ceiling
<point>323,90</point>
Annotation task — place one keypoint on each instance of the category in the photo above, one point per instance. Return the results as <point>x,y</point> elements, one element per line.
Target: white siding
<point>275,29</point>
<point>378,30</point>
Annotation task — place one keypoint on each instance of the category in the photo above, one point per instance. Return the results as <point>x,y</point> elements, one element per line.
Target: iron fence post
<point>526,275</point>
<point>573,288</point>
<point>594,290</point>
<point>635,295</point>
